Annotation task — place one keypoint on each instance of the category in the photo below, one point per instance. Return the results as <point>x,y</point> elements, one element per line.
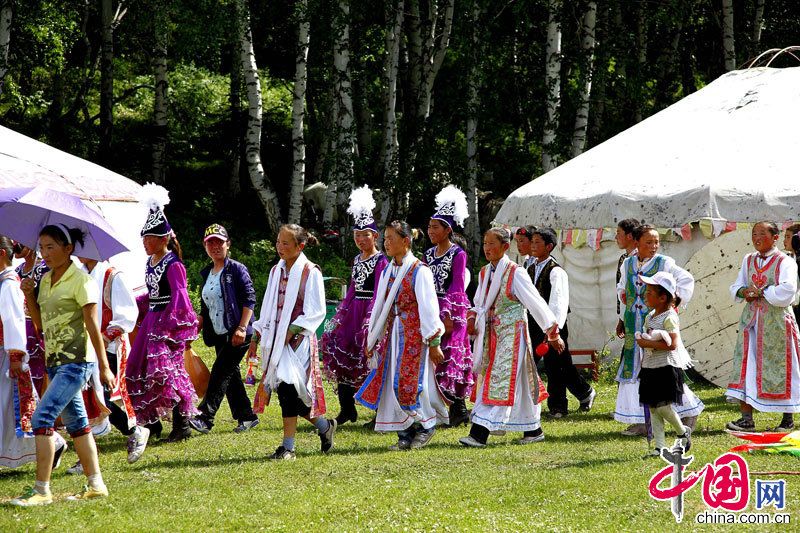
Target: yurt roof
<point>726,153</point>
<point>26,162</point>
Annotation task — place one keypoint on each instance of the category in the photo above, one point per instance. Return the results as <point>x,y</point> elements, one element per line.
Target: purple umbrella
<point>25,211</point>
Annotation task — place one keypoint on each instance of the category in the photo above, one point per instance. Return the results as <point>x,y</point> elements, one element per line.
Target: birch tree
<point>390,147</point>
<point>6,14</point>
<point>299,111</point>
<point>727,35</point>
<point>552,83</point>
<point>264,190</point>
<point>236,127</point>
<point>342,176</point>
<point>473,228</point>
<point>161,103</point>
<point>587,46</point>
<point>758,25</point>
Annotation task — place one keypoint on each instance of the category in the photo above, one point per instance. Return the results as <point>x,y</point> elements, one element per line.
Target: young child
<point>552,282</point>
<point>508,390</point>
<point>765,363</point>
<point>663,360</point>
<point>645,261</point>
<point>292,310</point>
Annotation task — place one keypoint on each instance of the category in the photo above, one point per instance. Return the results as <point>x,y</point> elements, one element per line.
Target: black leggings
<point>291,404</point>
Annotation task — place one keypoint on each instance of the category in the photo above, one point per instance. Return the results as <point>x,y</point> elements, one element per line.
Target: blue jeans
<point>63,397</point>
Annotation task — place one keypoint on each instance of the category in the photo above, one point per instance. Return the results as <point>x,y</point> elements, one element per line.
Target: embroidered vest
<point>442,268</point>
<point>776,335</point>
<point>635,311</point>
<point>507,328</point>
<point>157,282</point>
<point>363,276</point>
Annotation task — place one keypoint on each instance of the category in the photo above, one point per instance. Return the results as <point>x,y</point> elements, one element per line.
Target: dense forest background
<point>237,107</point>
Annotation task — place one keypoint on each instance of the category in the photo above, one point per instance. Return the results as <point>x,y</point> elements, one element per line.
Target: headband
<point>65,231</point>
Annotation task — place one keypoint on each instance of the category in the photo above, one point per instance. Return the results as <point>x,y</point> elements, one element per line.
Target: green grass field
<point>584,476</point>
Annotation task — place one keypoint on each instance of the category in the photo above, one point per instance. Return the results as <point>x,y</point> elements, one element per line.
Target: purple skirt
<point>156,377</point>
<point>343,343</point>
<point>454,374</point>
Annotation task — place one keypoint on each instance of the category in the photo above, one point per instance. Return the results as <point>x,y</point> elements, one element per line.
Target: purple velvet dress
<point>35,345</point>
<point>454,374</point>
<point>156,377</point>
<point>342,343</point>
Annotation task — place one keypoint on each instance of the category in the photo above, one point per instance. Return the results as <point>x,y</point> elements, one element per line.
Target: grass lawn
<point>584,476</point>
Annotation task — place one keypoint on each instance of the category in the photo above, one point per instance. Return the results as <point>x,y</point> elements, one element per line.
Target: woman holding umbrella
<point>158,384</point>
<point>66,312</point>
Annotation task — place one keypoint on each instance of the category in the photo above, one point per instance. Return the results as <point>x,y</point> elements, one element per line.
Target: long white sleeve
<point>313,303</point>
<point>12,312</point>
<point>123,306</point>
<point>623,280</point>
<point>782,294</point>
<point>427,302</point>
<point>559,295</point>
<point>526,293</point>
<point>683,279</point>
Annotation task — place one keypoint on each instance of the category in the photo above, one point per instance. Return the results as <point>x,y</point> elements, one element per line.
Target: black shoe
<point>459,416</point>
<point>246,425</point>
<point>199,425</point>
<point>742,425</point>
<point>588,402</point>
<point>344,417</point>
<point>282,454</point>
<point>326,439</point>
<point>556,415</point>
<point>156,430</point>
<point>369,425</point>
<point>179,435</point>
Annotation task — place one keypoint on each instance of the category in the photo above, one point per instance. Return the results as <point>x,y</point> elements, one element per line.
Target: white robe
<point>780,295</point>
<point>523,415</point>
<point>432,407</point>
<point>628,410</point>
<point>14,451</point>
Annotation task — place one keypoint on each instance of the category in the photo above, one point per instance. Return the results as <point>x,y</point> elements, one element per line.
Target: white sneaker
<point>470,442</point>
<point>77,468</point>
<point>102,429</point>
<point>532,438</point>
<point>137,443</point>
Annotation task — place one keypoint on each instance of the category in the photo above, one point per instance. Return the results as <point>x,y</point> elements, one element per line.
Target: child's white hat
<point>663,279</point>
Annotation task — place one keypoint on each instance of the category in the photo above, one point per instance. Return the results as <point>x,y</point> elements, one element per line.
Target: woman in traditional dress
<point>292,310</point>
<point>403,344</point>
<point>34,268</point>
<point>508,392</point>
<point>343,357</point>
<point>448,263</point>
<point>66,312</point>
<point>766,369</point>
<point>646,261</point>
<point>158,384</point>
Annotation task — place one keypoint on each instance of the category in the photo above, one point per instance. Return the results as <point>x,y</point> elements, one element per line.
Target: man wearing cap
<point>226,312</point>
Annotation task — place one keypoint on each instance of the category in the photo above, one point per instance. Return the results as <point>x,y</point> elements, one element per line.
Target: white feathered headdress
<point>361,205</point>
<point>451,206</point>
<point>155,197</point>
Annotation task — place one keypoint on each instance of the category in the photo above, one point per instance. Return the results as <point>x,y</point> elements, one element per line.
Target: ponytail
<point>174,246</point>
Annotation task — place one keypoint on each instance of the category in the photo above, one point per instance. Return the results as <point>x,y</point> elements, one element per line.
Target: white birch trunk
<point>341,62</point>
<point>727,35</point>
<point>391,63</point>
<point>587,46</point>
<point>161,104</point>
<point>236,116</point>
<point>641,47</point>
<point>552,83</point>
<point>473,228</point>
<point>254,110</point>
<point>435,52</point>
<point>106,77</point>
<point>758,25</point>
<point>299,112</point>
<point>6,14</point>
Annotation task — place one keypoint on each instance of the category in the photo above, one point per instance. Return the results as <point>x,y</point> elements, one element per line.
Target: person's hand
<point>15,370</point>
<point>238,337</point>
<point>471,330</point>
<point>620,329</point>
<point>557,344</point>
<point>107,378</point>
<point>448,324</point>
<point>643,343</point>
<point>28,287</point>
<point>751,294</point>
<point>436,355</point>
<point>252,351</point>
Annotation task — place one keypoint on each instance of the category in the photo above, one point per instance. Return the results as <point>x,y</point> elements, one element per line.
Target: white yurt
<point>25,162</point>
<point>702,171</point>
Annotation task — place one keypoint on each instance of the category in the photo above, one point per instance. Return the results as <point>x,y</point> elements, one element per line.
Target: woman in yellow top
<point>66,312</point>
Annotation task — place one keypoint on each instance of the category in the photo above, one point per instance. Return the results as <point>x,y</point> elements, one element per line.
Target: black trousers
<point>481,433</point>
<point>291,404</point>
<point>117,417</point>
<point>561,377</point>
<point>226,381</point>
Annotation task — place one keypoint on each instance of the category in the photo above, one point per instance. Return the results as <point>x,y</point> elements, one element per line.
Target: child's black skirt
<point>660,386</point>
